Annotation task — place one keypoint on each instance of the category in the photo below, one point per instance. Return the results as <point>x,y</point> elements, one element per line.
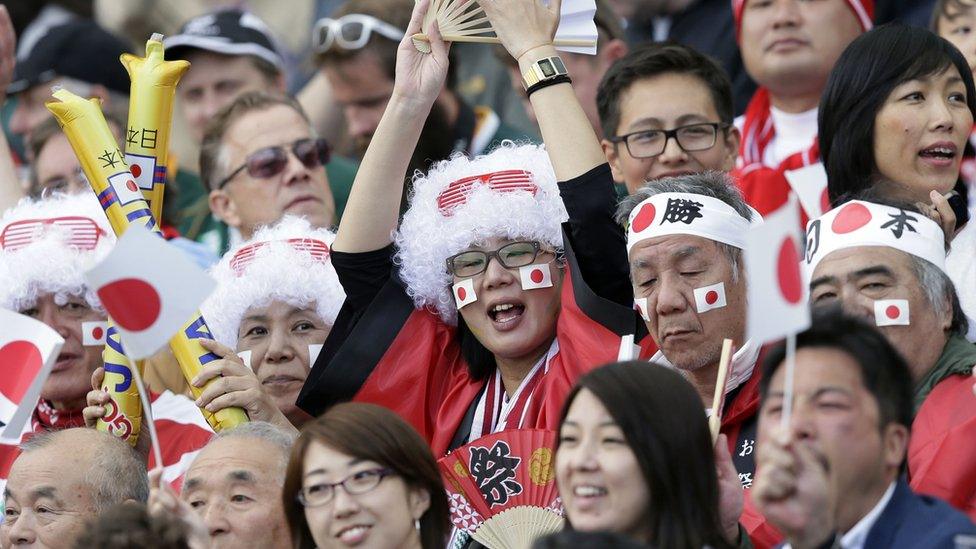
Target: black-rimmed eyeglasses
<point>511,256</point>
<point>354,484</point>
<point>691,138</point>
<point>271,161</point>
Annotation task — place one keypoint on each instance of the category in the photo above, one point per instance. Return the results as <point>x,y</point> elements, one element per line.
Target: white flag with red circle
<point>464,293</point>
<point>710,297</point>
<point>776,296</point>
<point>28,351</point>
<point>535,276</point>
<point>142,169</point>
<point>93,333</point>
<point>149,288</point>
<point>125,187</point>
<point>810,185</point>
<point>891,312</point>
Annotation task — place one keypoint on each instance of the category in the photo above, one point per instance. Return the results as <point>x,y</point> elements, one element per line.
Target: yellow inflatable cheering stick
<point>94,145</point>
<point>150,118</point>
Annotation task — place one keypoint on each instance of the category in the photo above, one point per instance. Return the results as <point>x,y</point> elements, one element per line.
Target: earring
<point>416,524</point>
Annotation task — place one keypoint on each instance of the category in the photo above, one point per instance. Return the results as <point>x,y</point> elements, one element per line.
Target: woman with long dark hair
<point>634,456</point>
<point>359,475</point>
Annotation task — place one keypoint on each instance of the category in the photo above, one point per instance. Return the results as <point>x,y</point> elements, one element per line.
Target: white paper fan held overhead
<point>465,21</point>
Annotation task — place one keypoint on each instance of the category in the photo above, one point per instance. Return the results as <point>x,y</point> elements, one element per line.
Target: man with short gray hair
<point>47,502</point>
<point>685,237</point>
<point>234,485</point>
<point>885,262</point>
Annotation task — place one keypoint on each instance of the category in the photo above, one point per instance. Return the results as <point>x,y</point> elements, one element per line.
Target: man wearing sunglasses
<point>356,50</point>
<point>231,52</point>
<point>261,161</point>
<point>666,110</point>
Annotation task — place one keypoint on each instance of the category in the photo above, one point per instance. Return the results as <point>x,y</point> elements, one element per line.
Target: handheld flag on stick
<point>28,350</point>
<point>721,382</point>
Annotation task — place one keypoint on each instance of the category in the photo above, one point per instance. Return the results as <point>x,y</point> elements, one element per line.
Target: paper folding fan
<point>502,488</point>
<point>465,21</point>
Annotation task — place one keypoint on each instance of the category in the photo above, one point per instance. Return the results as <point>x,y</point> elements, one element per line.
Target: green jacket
<point>958,357</point>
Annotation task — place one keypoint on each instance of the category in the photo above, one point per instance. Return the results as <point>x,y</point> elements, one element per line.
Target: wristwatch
<point>546,68</point>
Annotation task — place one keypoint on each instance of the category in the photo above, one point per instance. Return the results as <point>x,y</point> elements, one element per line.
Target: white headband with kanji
<point>686,213</point>
<point>289,261</point>
<point>46,245</point>
<point>858,223</point>
<point>509,193</point>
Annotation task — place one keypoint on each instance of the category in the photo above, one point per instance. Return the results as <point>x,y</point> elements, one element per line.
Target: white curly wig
<point>427,237</point>
<point>48,263</point>
<point>277,271</point>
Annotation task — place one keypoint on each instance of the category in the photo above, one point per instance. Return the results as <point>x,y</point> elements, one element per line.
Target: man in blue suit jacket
<point>832,474</point>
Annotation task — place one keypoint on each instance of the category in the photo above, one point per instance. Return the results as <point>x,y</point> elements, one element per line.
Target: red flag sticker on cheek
<point>535,276</point>
<point>93,333</point>
<point>120,295</point>
<point>710,297</point>
<point>891,312</point>
<point>464,293</point>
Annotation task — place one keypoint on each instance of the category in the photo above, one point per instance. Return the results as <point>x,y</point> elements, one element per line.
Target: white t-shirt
<point>794,133</point>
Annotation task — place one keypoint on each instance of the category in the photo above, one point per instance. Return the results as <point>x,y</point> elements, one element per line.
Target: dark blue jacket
<point>914,521</point>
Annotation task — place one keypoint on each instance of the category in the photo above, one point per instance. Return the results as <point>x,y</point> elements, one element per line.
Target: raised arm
<point>526,29</point>
<point>374,202</point>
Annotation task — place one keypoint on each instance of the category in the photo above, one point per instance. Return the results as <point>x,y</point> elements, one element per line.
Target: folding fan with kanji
<point>465,21</point>
<point>502,488</point>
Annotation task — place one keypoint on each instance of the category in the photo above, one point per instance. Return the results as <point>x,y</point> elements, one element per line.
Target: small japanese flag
<point>640,304</point>
<point>535,276</point>
<point>93,333</point>
<point>149,288</point>
<point>142,168</point>
<point>776,296</point>
<point>28,351</point>
<point>891,312</point>
<point>464,293</point>
<point>710,297</point>
<point>125,188</point>
<point>810,185</point>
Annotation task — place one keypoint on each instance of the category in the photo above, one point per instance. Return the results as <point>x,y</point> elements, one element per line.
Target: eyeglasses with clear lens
<point>475,262</point>
<point>651,143</point>
<point>350,32</point>
<point>271,161</point>
<point>355,484</point>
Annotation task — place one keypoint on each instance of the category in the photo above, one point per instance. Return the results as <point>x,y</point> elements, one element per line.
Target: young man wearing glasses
<point>260,161</point>
<point>666,110</point>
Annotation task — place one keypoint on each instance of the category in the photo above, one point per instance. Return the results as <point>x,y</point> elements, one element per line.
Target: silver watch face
<point>558,63</point>
<point>547,69</point>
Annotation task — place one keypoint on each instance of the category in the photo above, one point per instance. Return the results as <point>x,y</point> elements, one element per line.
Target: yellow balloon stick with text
<point>151,96</point>
<point>123,417</point>
<point>124,205</point>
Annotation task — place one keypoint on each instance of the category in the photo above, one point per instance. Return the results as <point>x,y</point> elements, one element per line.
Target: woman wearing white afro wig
<point>491,315</point>
<point>276,300</point>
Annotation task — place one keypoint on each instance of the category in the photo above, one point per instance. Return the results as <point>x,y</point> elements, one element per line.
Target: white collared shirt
<point>743,363</point>
<point>856,536</point>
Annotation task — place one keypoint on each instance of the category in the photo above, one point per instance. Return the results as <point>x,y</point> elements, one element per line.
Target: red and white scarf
<point>758,130</point>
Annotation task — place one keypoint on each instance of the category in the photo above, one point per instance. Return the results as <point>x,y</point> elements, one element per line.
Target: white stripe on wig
<point>426,237</point>
<point>49,265</point>
<point>278,272</point>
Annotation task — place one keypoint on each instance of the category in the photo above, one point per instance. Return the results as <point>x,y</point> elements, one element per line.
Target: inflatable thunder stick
<point>150,115</point>
<point>123,416</point>
<point>124,205</point>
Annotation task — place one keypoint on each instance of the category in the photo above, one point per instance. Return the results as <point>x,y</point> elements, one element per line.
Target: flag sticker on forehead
<point>685,213</point>
<point>502,181</point>
<point>82,232</point>
<point>858,223</point>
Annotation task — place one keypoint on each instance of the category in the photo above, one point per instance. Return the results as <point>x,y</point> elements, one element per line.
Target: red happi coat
<point>423,377</point>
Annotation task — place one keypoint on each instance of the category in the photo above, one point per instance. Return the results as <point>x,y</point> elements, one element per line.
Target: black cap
<point>79,49</point>
<point>229,32</point>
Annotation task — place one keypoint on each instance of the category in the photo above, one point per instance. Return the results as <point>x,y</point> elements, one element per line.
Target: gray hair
<point>713,184</point>
<point>117,473</point>
<point>272,434</point>
<point>940,293</point>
